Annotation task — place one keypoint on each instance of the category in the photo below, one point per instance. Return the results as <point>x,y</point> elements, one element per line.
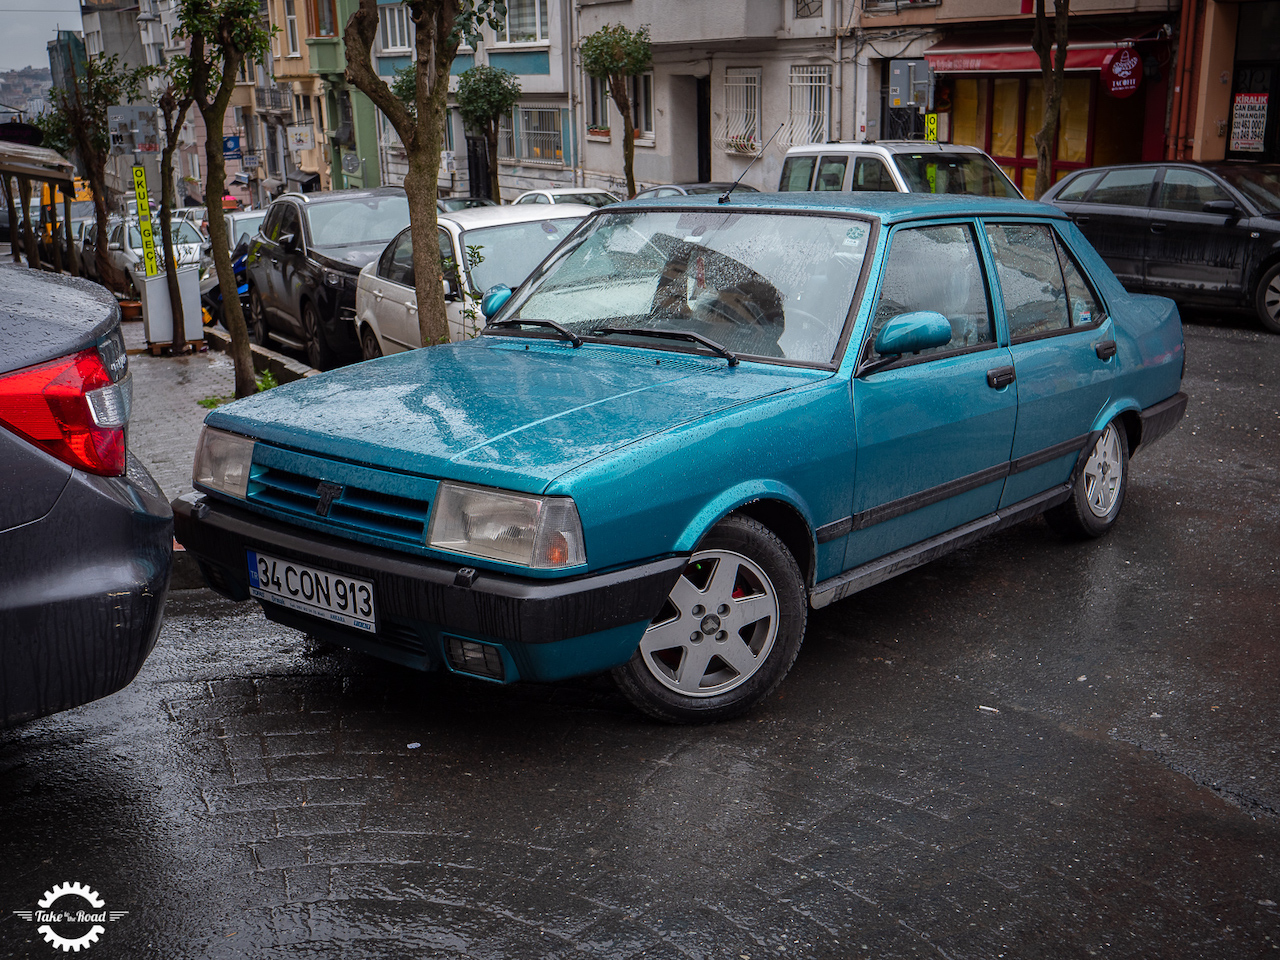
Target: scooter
<point>211,291</point>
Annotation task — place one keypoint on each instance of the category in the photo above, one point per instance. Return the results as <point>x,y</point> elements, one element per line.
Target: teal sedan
<point>695,421</point>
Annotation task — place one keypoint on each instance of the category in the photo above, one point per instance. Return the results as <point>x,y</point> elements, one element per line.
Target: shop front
<point>989,89</point>
<point>1255,89</point>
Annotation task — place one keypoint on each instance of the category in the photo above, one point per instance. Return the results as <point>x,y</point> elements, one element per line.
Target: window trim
<point>292,39</point>
<point>387,13</point>
<point>540,7</point>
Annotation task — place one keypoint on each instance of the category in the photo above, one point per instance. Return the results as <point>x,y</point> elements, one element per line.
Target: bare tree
<point>615,54</point>
<point>223,33</point>
<point>1052,73</point>
<point>174,102</point>
<point>439,26</point>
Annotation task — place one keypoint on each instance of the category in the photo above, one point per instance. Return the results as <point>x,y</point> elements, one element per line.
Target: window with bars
<point>808,8</point>
<point>741,130</point>
<point>394,22</point>
<point>640,89</point>
<point>525,22</point>
<point>536,138</point>
<point>597,104</point>
<point>809,114</point>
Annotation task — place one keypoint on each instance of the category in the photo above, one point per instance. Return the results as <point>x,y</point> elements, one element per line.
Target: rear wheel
<point>369,346</point>
<point>259,331</point>
<point>318,353</point>
<point>1267,299</point>
<point>728,634</point>
<point>1099,492</point>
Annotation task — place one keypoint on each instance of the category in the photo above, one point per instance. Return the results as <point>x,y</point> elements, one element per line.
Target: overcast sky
<point>26,26</point>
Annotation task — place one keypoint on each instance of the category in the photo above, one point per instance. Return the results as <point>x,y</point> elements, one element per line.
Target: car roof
<point>492,216</point>
<point>886,206</point>
<point>352,193</point>
<point>562,191</point>
<point>886,146</point>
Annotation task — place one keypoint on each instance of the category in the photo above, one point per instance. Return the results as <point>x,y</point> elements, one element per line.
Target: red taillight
<point>51,406</point>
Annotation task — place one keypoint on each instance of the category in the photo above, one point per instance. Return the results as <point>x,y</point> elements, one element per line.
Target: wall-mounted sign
<point>1248,122</point>
<point>231,148</point>
<point>302,136</point>
<point>250,161</point>
<point>1121,72</point>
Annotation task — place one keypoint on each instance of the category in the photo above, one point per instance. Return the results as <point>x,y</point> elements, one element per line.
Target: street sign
<point>931,127</point>
<point>302,136</point>
<point>144,222</point>
<point>231,148</point>
<point>250,161</point>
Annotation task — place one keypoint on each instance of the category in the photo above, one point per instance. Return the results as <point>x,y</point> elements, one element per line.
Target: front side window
<point>870,173</point>
<point>525,22</point>
<point>936,269</point>
<point>1189,190</point>
<point>393,21</point>
<point>764,285</point>
<point>809,113</point>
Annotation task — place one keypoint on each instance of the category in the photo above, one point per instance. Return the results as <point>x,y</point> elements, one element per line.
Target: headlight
<point>222,462</point>
<point>333,278</point>
<point>539,532</point>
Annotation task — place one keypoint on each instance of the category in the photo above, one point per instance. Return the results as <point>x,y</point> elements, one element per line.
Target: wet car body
<point>1205,235</point>
<point>85,533</point>
<point>847,423</point>
<point>303,264</point>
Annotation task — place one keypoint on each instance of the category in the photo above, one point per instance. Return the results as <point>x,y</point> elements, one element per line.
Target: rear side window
<point>1189,190</point>
<point>1126,187</point>
<point>797,173</point>
<point>831,173</point>
<point>870,173</point>
<point>1043,289</point>
<point>937,269</point>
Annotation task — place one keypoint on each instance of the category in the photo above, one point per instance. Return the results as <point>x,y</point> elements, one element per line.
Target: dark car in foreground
<point>1206,235</point>
<point>693,422</point>
<point>303,265</point>
<point>86,536</point>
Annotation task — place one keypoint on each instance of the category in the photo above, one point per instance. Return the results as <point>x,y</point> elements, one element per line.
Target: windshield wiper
<point>672,335</point>
<point>565,333</point>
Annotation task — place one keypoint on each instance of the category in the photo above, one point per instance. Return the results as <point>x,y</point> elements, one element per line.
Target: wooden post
<point>73,258</point>
<point>28,234</point>
<point>13,217</point>
<point>55,241</point>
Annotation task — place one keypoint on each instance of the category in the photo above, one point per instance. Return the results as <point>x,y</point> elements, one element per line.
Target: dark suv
<point>1202,234</point>
<point>304,262</point>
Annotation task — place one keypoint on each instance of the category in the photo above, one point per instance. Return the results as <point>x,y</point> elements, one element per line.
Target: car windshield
<point>510,252</point>
<point>1259,184</point>
<point>342,223</point>
<point>970,173</point>
<point>759,284</point>
<point>590,199</point>
<point>182,232</point>
<point>464,203</point>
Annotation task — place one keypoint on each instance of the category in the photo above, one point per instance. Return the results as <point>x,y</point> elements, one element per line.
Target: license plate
<point>330,596</point>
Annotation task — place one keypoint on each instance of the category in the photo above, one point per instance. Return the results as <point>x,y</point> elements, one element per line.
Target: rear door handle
<point>1105,349</point>
<point>1158,227</point>
<point>1078,219</point>
<point>377,295</point>
<point>999,377</point>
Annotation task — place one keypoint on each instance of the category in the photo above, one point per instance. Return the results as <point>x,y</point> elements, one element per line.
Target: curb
<point>185,573</point>
<point>284,369</point>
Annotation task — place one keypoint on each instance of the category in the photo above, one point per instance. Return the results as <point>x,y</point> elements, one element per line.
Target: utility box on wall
<point>910,84</point>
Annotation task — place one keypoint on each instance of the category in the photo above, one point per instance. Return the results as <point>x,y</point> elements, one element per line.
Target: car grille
<point>356,508</point>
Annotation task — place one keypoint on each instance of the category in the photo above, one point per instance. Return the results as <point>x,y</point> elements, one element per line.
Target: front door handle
<point>1000,377</point>
<point>1080,219</point>
<point>377,295</point>
<point>1158,227</point>
<point>1105,349</point>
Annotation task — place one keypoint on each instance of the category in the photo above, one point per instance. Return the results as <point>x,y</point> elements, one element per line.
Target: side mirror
<point>494,299</point>
<point>913,332</point>
<point>1223,208</point>
<point>450,291</point>
<point>114,246</point>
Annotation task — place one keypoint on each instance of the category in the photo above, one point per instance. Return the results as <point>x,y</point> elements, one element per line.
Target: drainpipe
<point>1187,147</point>
<point>839,91</point>
<point>1186,46</point>
<point>576,95</point>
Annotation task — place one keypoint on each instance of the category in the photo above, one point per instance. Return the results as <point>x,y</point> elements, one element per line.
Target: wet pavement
<point>1026,749</point>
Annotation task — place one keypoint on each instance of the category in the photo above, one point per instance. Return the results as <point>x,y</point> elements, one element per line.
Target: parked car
<point>511,242</point>
<point>689,425</point>
<point>198,217</point>
<point>903,166</point>
<point>450,204</point>
<point>125,251</point>
<point>1206,235</point>
<point>691,189</point>
<point>590,196</point>
<point>86,536</point>
<point>243,225</point>
<point>304,262</point>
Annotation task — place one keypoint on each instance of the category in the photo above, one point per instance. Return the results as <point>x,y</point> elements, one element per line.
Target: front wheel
<point>728,633</point>
<point>318,353</point>
<point>1267,299</point>
<point>1099,491</point>
<point>259,332</point>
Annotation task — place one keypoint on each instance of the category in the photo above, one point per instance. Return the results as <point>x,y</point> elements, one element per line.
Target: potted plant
<point>743,143</point>
<point>597,131</point>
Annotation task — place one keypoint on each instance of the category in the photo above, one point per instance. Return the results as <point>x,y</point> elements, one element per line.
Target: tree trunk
<point>172,124</point>
<point>13,218</point>
<point>419,185</point>
<point>491,140</point>
<point>232,315</point>
<point>1053,78</point>
<point>28,234</point>
<point>621,99</point>
<point>73,258</point>
<point>55,241</point>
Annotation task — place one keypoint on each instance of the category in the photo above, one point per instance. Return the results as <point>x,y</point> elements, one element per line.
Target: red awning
<point>1011,52</point>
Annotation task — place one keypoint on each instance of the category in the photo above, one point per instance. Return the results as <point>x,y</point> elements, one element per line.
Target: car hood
<point>499,411</point>
<point>351,258</point>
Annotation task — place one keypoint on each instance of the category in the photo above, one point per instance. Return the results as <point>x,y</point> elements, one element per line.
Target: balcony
<point>273,100</point>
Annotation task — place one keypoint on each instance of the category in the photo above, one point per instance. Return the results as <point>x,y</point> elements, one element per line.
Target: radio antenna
<point>724,197</point>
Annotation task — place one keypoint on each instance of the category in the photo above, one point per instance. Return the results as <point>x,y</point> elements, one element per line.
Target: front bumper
<point>537,629</point>
<point>83,593</point>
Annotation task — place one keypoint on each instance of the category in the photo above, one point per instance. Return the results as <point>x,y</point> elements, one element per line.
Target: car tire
<point>370,349</point>
<point>259,329</point>
<point>1098,493</point>
<point>1266,299</point>
<point>687,668</point>
<point>318,353</point>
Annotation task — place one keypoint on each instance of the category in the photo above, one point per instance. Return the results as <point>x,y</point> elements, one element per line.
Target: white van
<point>901,166</point>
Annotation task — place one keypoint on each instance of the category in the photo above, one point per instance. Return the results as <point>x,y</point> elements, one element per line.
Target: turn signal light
<point>71,409</point>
